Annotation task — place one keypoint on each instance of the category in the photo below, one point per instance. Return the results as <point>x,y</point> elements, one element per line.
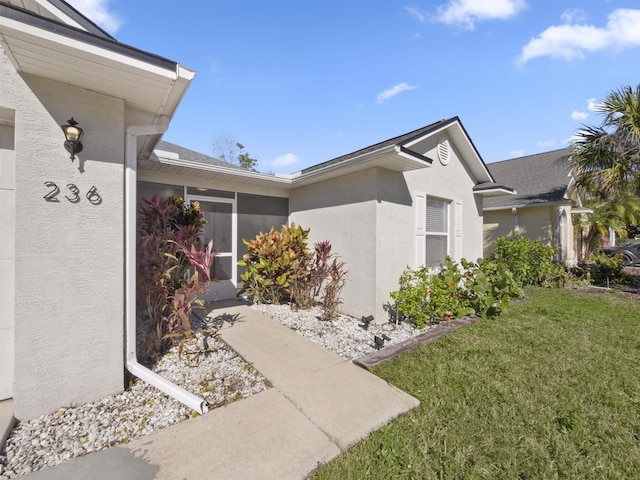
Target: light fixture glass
<point>72,135</point>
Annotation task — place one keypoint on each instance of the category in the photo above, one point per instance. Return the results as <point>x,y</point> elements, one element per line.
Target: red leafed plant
<point>172,270</point>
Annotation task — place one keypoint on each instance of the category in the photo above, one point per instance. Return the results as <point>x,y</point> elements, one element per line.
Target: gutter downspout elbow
<point>130,190</point>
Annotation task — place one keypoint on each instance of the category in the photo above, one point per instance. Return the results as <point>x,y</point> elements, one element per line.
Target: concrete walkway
<point>320,405</point>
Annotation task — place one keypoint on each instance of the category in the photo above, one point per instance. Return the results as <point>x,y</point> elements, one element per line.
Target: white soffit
<point>143,85</point>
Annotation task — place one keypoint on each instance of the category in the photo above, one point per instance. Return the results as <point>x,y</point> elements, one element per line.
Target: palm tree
<point>606,159</point>
<point>617,215</point>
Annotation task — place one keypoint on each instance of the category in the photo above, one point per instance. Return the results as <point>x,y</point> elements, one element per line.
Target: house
<point>68,222</point>
<point>62,227</point>
<point>544,208</point>
<point>407,201</point>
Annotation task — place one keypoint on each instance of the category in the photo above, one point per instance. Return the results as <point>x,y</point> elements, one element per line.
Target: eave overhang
<point>492,190</point>
<point>49,49</point>
<point>561,203</point>
<point>169,162</point>
<point>391,157</point>
<point>460,138</point>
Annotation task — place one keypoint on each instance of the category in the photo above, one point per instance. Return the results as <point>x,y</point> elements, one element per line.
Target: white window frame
<point>453,224</point>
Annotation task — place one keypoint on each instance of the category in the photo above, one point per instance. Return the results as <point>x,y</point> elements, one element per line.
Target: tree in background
<point>606,165</point>
<point>606,159</point>
<point>228,149</point>
<point>617,215</point>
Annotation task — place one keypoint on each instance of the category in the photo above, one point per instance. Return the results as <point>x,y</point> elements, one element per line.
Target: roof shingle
<point>538,179</point>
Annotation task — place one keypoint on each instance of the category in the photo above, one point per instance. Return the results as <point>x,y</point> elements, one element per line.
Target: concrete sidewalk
<point>320,405</point>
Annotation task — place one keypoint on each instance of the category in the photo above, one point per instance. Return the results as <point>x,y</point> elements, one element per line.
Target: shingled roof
<point>193,156</point>
<point>541,179</point>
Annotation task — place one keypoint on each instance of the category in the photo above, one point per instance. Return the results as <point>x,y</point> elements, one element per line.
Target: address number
<point>72,193</point>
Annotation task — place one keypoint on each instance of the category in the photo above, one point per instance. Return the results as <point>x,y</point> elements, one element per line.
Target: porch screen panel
<point>147,190</point>
<point>256,214</point>
<point>219,229</point>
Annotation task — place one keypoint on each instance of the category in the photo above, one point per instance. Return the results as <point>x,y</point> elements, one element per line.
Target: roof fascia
<point>529,205</point>
<point>28,22</point>
<point>173,159</point>
<point>494,192</point>
<point>360,162</point>
<point>69,15</point>
<point>405,152</point>
<point>455,122</point>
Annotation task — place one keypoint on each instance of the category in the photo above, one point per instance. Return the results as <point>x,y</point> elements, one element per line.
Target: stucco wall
<point>69,256</point>
<point>343,211</point>
<point>396,224</point>
<point>497,223</point>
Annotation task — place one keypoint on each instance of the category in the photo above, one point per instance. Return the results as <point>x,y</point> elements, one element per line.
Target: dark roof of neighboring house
<point>538,179</point>
<point>400,141</point>
<point>193,156</point>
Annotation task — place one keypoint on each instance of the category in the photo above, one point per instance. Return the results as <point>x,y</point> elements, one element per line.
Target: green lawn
<point>551,389</point>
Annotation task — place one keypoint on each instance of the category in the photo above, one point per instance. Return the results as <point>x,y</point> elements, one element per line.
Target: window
<point>436,231</point>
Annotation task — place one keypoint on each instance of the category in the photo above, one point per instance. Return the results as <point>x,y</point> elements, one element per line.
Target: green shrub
<point>489,287</point>
<point>272,261</point>
<point>607,270</point>
<point>281,269</point>
<point>530,262</point>
<point>428,296</point>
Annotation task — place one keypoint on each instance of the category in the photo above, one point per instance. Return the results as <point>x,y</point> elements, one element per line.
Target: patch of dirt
<point>632,290</point>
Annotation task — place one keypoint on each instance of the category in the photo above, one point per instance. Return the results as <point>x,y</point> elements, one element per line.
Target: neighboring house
<point>543,208</point>
<point>67,227</point>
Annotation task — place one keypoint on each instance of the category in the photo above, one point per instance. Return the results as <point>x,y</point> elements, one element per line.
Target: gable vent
<point>444,152</point>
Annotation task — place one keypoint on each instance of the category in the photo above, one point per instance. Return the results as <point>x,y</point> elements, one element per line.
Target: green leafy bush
<point>489,287</point>
<point>428,296</point>
<point>272,261</point>
<point>607,270</point>
<point>530,262</point>
<point>281,269</point>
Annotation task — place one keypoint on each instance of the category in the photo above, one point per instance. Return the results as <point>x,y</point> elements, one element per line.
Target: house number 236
<point>72,193</point>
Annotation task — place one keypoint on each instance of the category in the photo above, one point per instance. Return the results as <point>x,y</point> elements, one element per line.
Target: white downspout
<point>130,190</point>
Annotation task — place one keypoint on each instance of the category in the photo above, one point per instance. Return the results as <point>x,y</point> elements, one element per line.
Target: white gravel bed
<point>345,336</point>
<point>208,368</point>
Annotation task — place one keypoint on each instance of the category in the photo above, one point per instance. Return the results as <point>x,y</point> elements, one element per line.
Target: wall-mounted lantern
<point>72,135</point>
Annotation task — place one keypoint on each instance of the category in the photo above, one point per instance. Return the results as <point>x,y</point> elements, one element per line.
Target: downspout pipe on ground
<point>130,190</point>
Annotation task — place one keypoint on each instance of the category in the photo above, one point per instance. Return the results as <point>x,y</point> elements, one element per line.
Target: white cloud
<point>576,115</point>
<point>418,14</point>
<point>516,153</point>
<point>393,91</point>
<point>547,143</point>
<point>98,12</point>
<point>285,160</point>
<point>466,13</point>
<point>571,41</point>
<point>575,15</point>
<point>593,105</point>
<point>571,140</point>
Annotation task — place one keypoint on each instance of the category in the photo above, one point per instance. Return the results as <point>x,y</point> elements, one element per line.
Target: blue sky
<point>299,82</point>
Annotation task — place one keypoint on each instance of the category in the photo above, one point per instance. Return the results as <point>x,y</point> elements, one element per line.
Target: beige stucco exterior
<point>549,224</point>
<point>68,256</point>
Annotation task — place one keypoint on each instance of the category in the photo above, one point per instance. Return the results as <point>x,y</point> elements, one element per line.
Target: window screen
<point>437,231</point>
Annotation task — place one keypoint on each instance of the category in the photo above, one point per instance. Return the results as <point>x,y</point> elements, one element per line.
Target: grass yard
<point>551,389</point>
